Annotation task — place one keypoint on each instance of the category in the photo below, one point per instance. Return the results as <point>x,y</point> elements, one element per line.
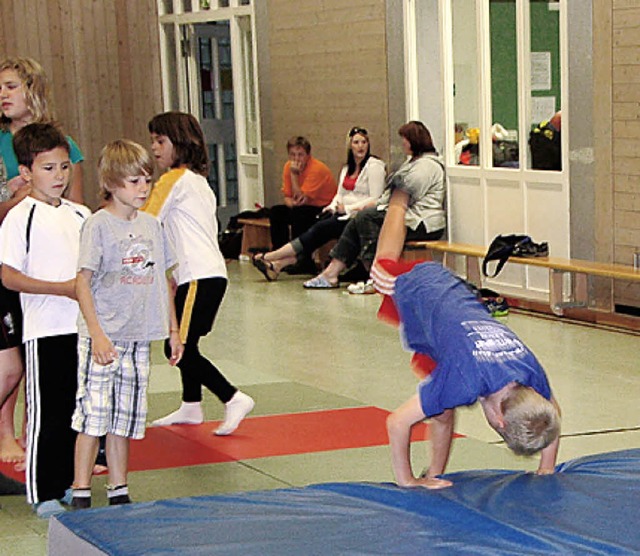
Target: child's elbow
<point>8,279</point>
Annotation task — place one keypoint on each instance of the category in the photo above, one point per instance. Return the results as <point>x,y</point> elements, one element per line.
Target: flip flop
<point>266,267</point>
<point>319,283</point>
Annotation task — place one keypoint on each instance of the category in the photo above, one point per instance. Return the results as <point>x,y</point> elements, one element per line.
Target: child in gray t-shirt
<point>122,289</point>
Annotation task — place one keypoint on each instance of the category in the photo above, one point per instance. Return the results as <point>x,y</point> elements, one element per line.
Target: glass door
<point>211,89</point>
<point>209,70</point>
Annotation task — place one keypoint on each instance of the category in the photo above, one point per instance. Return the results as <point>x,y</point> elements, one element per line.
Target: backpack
<point>546,152</point>
<point>513,245</point>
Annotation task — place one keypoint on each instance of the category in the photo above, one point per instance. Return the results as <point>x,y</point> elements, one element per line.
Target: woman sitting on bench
<point>422,177</point>
<point>360,184</point>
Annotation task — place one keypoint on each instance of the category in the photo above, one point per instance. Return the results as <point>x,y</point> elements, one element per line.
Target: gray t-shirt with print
<point>129,260</point>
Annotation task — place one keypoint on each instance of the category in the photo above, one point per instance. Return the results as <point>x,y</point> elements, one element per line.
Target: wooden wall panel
<point>625,69</point>
<point>102,58</point>
<point>328,72</point>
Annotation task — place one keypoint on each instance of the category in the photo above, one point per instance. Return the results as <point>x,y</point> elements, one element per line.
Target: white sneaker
<point>189,413</point>
<point>361,288</point>
<point>236,409</point>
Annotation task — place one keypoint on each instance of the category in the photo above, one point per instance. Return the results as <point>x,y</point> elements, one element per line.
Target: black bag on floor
<point>230,240</point>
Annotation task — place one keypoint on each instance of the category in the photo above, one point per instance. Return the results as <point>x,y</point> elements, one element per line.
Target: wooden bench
<point>256,234</point>
<point>577,269</point>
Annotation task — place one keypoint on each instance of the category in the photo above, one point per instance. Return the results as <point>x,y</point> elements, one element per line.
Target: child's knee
<point>393,422</point>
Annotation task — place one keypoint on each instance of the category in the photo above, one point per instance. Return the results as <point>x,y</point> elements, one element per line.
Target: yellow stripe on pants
<point>187,311</point>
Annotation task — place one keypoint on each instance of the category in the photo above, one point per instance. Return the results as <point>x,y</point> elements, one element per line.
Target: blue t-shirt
<point>475,354</point>
<point>9,156</point>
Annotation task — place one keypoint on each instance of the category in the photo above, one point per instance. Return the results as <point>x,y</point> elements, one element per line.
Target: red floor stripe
<point>259,437</point>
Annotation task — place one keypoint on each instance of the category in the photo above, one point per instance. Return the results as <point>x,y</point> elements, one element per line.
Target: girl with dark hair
<point>185,204</point>
<point>422,177</point>
<point>360,184</point>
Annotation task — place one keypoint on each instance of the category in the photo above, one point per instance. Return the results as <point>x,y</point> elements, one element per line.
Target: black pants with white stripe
<point>52,369</point>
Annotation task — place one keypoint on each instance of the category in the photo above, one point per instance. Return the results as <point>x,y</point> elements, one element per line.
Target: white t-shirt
<point>42,241</point>
<point>185,204</point>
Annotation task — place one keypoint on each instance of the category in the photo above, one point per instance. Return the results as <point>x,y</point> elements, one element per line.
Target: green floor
<point>295,350</point>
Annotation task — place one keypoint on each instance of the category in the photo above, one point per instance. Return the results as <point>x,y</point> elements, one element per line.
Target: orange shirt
<point>316,183</point>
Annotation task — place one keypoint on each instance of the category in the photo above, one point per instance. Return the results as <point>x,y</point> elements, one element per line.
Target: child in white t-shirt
<point>39,252</point>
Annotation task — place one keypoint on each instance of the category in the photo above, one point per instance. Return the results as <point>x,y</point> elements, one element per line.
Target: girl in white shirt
<point>185,204</point>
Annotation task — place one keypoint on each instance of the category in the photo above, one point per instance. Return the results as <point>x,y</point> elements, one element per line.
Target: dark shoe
<point>265,267</point>
<point>80,503</point>
<point>119,500</point>
<point>531,249</point>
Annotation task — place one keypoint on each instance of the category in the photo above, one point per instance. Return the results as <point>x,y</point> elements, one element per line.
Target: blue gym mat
<point>590,506</point>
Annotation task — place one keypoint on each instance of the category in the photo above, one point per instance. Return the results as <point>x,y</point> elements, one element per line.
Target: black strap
<point>29,223</point>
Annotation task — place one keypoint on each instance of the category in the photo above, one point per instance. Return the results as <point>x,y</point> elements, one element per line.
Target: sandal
<point>266,267</point>
<point>319,283</point>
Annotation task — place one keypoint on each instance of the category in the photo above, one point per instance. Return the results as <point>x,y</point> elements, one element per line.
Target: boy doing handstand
<point>122,288</point>
<point>475,358</point>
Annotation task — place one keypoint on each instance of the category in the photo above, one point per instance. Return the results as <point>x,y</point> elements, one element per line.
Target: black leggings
<point>197,305</point>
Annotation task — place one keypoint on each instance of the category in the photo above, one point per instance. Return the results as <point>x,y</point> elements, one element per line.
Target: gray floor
<point>296,350</point>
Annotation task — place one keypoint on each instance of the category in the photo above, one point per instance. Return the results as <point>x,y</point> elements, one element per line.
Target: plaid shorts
<point>112,398</point>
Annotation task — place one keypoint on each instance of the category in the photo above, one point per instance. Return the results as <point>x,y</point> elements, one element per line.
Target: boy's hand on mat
<point>431,483</point>
<point>545,471</point>
<point>103,351</point>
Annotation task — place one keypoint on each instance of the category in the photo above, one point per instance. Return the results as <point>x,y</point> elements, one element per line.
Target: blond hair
<point>119,160</point>
<point>531,422</point>
<point>36,89</point>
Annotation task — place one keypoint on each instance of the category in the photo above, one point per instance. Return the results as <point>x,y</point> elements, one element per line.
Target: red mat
<point>259,437</point>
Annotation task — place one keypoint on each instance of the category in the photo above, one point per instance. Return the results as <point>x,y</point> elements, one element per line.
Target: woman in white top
<point>361,182</point>
<point>422,177</point>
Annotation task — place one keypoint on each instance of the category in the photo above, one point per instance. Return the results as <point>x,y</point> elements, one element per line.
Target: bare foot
<point>100,469</point>
<point>433,483</point>
<point>10,450</point>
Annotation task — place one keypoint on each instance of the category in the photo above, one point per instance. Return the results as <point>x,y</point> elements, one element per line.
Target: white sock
<point>235,410</point>
<point>189,413</point>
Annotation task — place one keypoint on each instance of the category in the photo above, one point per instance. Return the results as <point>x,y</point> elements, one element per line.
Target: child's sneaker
<point>497,306</point>
<point>81,499</point>
<point>361,288</point>
<point>118,495</point>
<point>49,508</point>
<point>236,409</point>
